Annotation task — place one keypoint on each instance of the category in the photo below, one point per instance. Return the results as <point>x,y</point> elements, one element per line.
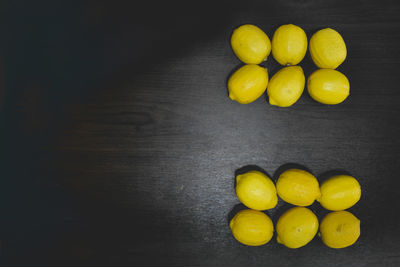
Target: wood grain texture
<point>121,145</point>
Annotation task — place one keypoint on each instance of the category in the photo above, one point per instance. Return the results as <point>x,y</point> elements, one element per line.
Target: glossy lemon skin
<point>296,227</point>
<point>256,190</point>
<point>286,86</point>
<point>252,227</point>
<point>340,229</point>
<point>328,86</point>
<point>298,187</point>
<point>339,193</point>
<point>248,83</point>
<point>327,49</point>
<point>250,44</point>
<point>289,44</point>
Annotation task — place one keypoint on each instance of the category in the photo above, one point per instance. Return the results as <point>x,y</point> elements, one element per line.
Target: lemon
<point>256,190</point>
<point>248,83</point>
<point>339,192</point>
<point>327,49</point>
<point>252,227</point>
<point>286,86</point>
<point>298,187</point>
<point>250,44</point>
<point>328,86</point>
<point>289,44</point>
<point>340,229</point>
<point>296,227</point>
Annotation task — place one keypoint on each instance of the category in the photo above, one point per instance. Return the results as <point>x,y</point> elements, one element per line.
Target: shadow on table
<point>328,174</point>
<point>60,59</point>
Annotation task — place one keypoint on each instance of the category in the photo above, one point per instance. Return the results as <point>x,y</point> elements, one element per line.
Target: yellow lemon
<point>250,44</point>
<point>289,44</point>
<point>252,227</point>
<point>256,190</point>
<point>296,227</point>
<point>286,86</point>
<point>298,187</point>
<point>328,86</point>
<point>339,192</point>
<point>327,49</point>
<point>340,229</point>
<point>248,83</point>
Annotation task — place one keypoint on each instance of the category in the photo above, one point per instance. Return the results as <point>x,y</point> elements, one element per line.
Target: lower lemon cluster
<point>297,226</point>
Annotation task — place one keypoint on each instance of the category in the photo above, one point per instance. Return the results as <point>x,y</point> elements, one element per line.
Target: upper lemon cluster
<point>289,46</point>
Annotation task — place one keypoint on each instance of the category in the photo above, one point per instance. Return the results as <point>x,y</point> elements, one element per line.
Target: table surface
<point>120,145</point>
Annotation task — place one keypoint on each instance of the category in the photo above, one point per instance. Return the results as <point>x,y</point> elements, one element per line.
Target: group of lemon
<point>297,226</point>
<point>289,46</point>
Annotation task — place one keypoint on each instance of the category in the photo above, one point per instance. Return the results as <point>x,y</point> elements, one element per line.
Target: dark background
<point>120,144</point>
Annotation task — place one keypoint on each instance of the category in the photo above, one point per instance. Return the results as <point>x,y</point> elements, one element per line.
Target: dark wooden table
<point>120,144</point>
